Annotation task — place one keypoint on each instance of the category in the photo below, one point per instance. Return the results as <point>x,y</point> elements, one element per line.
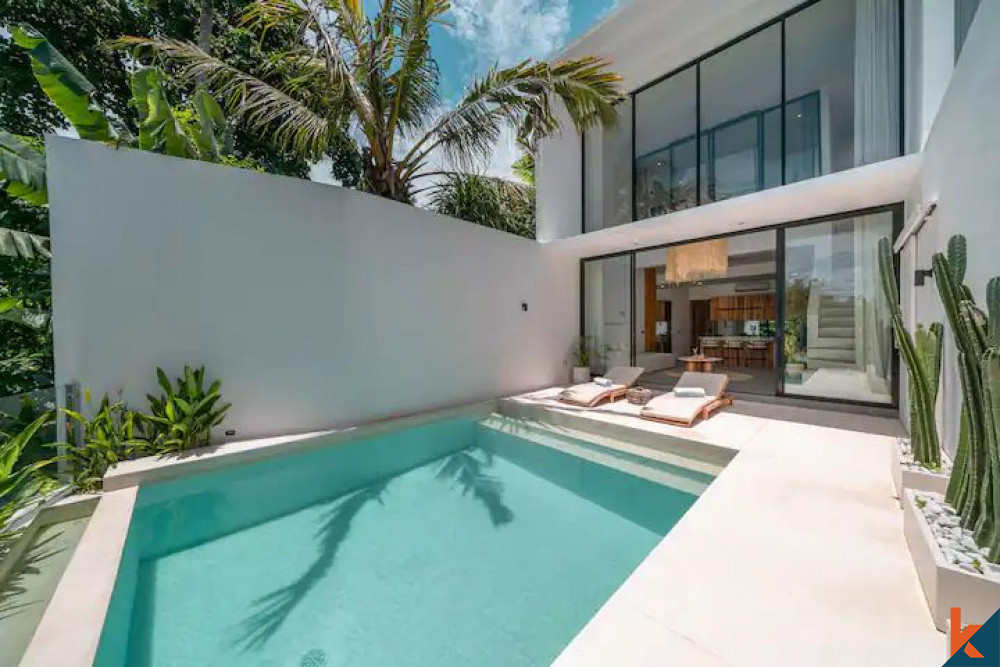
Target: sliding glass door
<point>837,331</point>
<point>607,310</point>
<point>795,310</point>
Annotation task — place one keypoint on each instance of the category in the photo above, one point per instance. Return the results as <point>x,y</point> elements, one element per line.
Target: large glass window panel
<point>607,194</point>
<point>837,331</point>
<point>739,87</point>
<point>666,159</point>
<point>842,84</point>
<point>607,310</point>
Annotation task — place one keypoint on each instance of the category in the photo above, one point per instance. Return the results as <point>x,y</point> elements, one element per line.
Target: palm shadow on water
<point>270,611</point>
<point>29,565</point>
<point>467,470</point>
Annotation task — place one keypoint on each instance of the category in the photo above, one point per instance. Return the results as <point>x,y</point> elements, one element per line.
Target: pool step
<point>621,456</point>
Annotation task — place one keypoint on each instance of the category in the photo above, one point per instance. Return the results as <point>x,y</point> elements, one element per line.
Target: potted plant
<point>583,354</point>
<point>955,538</point>
<point>794,365</point>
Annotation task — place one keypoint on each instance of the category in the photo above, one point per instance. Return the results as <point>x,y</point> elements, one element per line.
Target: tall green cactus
<point>974,488</point>
<point>923,364</point>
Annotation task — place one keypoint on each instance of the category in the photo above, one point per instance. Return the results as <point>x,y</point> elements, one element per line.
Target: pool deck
<point>794,555</point>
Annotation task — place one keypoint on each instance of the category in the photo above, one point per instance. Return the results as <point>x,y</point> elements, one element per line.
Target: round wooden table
<point>700,363</point>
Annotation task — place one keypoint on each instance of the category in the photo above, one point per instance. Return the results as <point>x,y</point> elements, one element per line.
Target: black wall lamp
<point>920,275</point>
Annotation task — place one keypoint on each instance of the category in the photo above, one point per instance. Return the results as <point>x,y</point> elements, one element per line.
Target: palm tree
<point>374,76</point>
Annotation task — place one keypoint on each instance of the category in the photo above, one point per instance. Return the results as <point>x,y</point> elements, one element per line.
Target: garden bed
<point>908,474</point>
<point>953,570</point>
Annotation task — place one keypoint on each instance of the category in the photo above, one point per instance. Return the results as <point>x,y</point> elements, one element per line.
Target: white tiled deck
<point>794,556</point>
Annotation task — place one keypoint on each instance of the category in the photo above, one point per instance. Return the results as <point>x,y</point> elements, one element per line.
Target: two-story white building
<point>763,149</point>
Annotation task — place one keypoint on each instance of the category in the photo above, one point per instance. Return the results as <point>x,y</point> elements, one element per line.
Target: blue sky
<point>484,32</point>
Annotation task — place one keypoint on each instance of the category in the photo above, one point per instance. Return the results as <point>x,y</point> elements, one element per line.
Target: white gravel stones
<point>956,543</point>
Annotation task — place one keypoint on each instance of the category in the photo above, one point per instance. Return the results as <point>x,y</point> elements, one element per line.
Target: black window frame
<point>897,210</point>
<point>780,19</point>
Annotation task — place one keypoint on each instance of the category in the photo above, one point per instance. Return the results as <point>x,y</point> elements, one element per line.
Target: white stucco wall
<point>961,172</point>
<point>316,305</point>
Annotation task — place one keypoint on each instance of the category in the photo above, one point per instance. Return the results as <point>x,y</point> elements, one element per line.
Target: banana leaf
<point>14,243</point>
<point>159,130</point>
<point>68,89</point>
<point>24,170</point>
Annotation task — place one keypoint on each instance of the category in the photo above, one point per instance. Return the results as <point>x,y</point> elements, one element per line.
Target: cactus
<point>923,364</point>
<point>974,487</point>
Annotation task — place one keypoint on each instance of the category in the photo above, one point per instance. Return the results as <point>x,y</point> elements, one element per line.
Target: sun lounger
<point>684,410</point>
<point>590,394</point>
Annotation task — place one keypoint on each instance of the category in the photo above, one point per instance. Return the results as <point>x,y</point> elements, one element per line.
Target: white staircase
<point>833,344</point>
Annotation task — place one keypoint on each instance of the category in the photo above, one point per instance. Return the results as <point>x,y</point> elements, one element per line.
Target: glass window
<point>607,154</point>
<point>842,85</point>
<point>739,87</point>
<point>665,150</point>
<point>607,308</point>
<point>837,335</point>
<point>965,11</point>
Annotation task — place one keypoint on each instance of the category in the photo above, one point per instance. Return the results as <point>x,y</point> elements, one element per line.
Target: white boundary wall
<point>961,172</point>
<point>316,305</point>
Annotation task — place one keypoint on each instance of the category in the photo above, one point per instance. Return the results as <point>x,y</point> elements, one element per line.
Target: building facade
<point>734,210</point>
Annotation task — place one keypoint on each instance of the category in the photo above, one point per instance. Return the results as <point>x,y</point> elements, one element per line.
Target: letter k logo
<point>960,636</point>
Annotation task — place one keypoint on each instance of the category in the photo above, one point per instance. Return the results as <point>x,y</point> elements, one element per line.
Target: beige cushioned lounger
<point>590,394</point>
<point>682,410</point>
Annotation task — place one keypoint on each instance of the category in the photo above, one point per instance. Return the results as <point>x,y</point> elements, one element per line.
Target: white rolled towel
<point>604,382</point>
<point>689,392</point>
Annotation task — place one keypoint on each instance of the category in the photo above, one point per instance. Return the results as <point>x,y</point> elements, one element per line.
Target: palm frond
<point>521,98</point>
<point>260,105</point>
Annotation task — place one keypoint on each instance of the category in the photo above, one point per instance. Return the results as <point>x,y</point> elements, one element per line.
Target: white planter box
<point>920,480</point>
<point>581,374</point>
<point>946,586</point>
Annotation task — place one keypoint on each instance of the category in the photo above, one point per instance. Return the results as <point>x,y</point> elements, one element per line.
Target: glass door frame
<point>779,239</point>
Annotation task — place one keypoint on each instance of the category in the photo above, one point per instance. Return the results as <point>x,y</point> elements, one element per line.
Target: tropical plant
<point>974,487</point>
<point>584,351</point>
<point>487,201</point>
<point>114,434</point>
<point>20,484</point>
<point>182,418</point>
<point>22,165</point>
<point>375,76</point>
<point>921,353</point>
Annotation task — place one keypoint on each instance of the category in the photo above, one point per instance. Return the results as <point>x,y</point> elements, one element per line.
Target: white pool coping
<point>795,555</point>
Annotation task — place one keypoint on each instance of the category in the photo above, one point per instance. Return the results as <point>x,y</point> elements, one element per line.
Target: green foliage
<point>584,352</point>
<point>974,487</point>
<point>114,434</point>
<point>68,89</point>
<point>376,73</point>
<point>20,484</point>
<point>183,416</point>
<point>524,168</point>
<point>16,243</point>
<point>22,170</point>
<point>923,364</point>
<point>491,202</point>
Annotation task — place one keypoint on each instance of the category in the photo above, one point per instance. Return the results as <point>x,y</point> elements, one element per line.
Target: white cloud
<point>506,31</point>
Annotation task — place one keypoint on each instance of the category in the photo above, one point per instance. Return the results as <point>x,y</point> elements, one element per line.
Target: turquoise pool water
<point>460,542</point>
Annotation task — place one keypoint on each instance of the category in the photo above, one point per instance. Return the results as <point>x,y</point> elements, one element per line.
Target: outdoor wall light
<point>920,275</point>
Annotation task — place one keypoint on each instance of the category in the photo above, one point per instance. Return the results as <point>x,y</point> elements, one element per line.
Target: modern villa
<point>776,265</point>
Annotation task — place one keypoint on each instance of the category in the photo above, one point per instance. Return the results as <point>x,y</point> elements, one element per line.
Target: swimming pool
<point>467,541</point>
